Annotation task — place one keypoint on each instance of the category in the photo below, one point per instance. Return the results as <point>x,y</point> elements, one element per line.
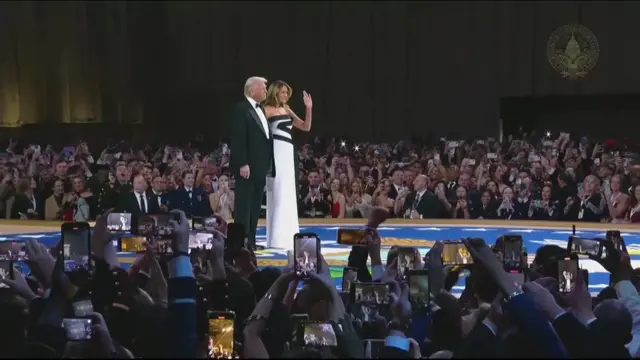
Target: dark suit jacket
<point>320,206</point>
<point>128,203</point>
<point>21,204</point>
<point>164,198</point>
<point>428,206</point>
<point>479,210</point>
<point>192,206</point>
<point>249,142</point>
<point>481,343</point>
<point>393,192</point>
<point>593,341</point>
<point>531,321</point>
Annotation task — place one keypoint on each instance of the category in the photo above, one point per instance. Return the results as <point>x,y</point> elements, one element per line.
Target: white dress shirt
<point>143,198</point>
<point>263,118</point>
<point>159,197</point>
<point>189,192</point>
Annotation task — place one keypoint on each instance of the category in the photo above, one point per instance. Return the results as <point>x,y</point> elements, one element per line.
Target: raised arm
<point>304,125</point>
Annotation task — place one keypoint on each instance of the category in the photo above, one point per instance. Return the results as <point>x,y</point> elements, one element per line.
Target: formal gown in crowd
<point>282,206</point>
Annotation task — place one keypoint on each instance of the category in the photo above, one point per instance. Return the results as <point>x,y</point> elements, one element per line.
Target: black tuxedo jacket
<point>249,142</point>
<point>428,206</point>
<point>22,204</point>
<point>393,192</point>
<point>164,198</point>
<point>488,212</point>
<point>128,203</point>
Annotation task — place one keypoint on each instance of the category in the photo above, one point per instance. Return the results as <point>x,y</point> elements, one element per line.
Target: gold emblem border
<point>592,54</point>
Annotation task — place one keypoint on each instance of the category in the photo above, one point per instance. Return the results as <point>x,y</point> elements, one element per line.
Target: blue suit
<point>194,204</point>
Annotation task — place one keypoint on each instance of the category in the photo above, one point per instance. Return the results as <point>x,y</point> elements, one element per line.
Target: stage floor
<point>419,235</point>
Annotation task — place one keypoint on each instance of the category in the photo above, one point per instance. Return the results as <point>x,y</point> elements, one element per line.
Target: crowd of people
<point>540,178</point>
<point>160,307</point>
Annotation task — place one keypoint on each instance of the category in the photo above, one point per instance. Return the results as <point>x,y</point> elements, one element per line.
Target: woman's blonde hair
<point>272,93</point>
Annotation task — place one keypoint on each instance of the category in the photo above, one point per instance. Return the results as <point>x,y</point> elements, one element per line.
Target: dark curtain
<point>375,69</point>
<point>78,62</point>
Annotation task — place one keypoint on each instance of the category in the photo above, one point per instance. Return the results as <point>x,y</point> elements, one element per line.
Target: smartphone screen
<point>82,308</point>
<point>567,275</point>
<point>132,244</point>
<point>584,246</point>
<point>13,251</point>
<point>236,236</point>
<point>78,329</point>
<point>119,223</point>
<point>455,253</point>
<point>221,333</point>
<point>163,246</point>
<point>512,254</point>
<point>374,346</point>
<point>349,276</point>
<point>406,261</point>
<point>370,299</point>
<point>351,237</point>
<point>197,223</point>
<point>145,226</point>
<point>211,223</point>
<point>5,272</point>
<point>318,334</point>
<point>419,288</point>
<point>161,226</point>
<point>306,248</point>
<point>200,240</point>
<point>615,237</point>
<point>76,240</point>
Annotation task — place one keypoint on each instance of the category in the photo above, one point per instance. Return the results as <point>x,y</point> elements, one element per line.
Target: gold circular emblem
<point>573,51</point>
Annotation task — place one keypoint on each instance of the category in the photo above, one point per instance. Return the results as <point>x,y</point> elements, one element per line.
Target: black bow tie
<point>257,105</point>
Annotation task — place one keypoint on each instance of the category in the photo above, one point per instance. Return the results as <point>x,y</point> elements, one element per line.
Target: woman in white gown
<point>282,203</point>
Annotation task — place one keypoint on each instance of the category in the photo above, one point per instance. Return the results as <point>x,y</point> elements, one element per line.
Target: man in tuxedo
<point>396,184</point>
<point>421,203</point>
<point>157,193</point>
<point>313,198</point>
<point>252,155</point>
<point>137,202</point>
<point>187,198</point>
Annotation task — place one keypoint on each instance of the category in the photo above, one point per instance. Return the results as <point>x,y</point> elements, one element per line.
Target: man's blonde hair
<point>251,82</point>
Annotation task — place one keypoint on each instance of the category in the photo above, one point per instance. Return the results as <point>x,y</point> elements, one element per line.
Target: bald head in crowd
<point>420,183</point>
<point>139,184</point>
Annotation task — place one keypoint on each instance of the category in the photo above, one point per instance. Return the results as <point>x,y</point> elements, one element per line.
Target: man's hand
<point>244,171</point>
<point>40,261</point>
<point>180,239</point>
<point>400,304</point>
<point>101,245</point>
<point>19,285</point>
